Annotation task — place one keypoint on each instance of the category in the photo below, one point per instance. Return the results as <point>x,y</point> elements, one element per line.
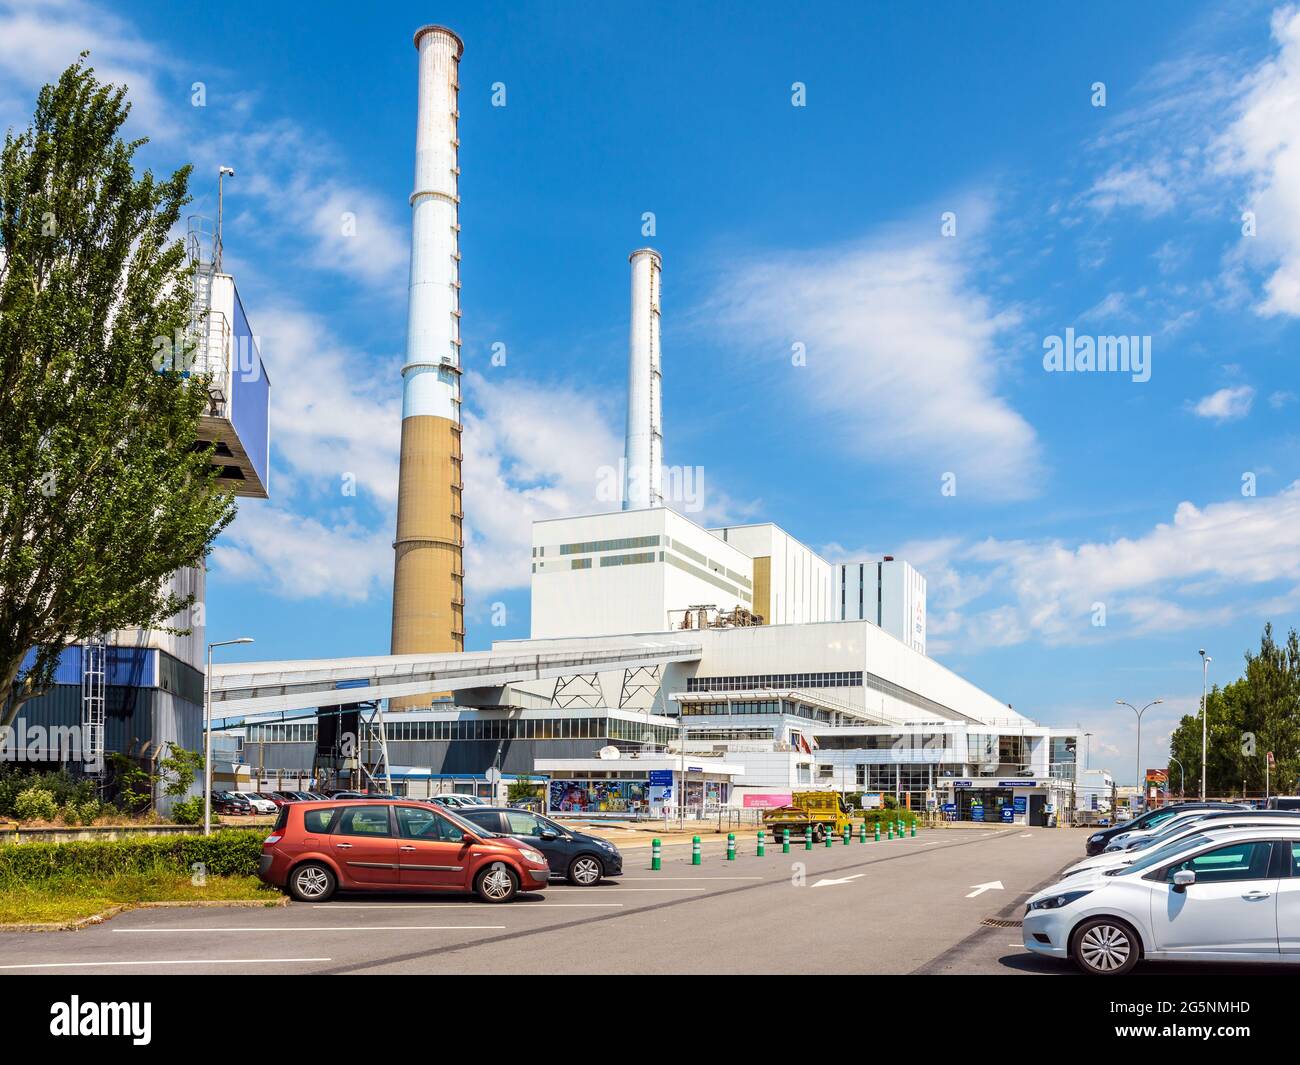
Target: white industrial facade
<point>631,571</point>
<point>793,581</point>
<point>889,592</point>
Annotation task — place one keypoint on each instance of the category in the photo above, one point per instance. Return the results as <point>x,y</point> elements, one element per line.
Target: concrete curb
<point>113,911</point>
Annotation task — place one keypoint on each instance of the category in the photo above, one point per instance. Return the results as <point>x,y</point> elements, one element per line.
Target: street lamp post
<point>1181,775</point>
<point>1205,668</point>
<point>207,732</point>
<point>1138,771</point>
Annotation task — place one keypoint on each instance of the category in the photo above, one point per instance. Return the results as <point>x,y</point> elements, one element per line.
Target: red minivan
<point>317,848</point>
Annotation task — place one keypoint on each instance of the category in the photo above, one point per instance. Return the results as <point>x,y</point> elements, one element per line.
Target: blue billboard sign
<point>661,777</point>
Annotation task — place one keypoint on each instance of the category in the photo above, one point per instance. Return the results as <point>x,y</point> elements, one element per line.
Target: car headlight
<point>606,844</point>
<point>533,856</point>
<point>1055,902</point>
<point>1097,837</point>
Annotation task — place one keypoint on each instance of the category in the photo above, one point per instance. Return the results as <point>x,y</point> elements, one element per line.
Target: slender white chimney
<point>643,451</point>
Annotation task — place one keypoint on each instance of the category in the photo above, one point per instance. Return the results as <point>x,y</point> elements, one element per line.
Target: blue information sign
<point>1020,802</point>
<point>661,776</point>
<point>1007,814</point>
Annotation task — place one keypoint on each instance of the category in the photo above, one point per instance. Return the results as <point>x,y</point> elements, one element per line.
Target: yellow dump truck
<point>822,811</point>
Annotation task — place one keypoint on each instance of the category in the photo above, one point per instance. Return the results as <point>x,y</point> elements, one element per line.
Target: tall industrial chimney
<point>643,452</point>
<point>428,571</point>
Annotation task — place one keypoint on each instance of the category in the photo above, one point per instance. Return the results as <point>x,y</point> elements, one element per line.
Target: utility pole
<point>207,733</point>
<point>1205,667</point>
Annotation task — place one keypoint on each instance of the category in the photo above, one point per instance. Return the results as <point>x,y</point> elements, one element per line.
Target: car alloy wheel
<point>496,884</point>
<point>585,871</point>
<point>1105,947</point>
<point>312,883</point>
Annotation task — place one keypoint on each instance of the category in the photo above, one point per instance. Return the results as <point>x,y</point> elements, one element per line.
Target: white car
<point>1126,839</point>
<point>1231,895</point>
<point>455,799</point>
<point>1209,821</point>
<point>259,804</point>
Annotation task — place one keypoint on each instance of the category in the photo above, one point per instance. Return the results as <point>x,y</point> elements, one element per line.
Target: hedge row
<point>229,852</point>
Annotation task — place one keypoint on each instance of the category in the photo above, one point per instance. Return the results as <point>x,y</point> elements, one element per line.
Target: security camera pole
<point>222,173</point>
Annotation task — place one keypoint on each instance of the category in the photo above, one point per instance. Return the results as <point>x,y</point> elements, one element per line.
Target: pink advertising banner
<point>768,801</point>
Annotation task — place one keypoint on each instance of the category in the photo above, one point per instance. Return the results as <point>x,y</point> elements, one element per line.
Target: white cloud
<point>1227,404</point>
<point>1208,566</point>
<point>299,557</point>
<point>1279,399</point>
<point>1263,143</point>
<point>334,410</point>
<point>531,452</point>
<point>903,357</point>
<point>1143,187</point>
<point>39,38</point>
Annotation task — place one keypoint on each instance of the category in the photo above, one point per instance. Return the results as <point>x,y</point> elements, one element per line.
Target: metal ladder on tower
<point>94,674</point>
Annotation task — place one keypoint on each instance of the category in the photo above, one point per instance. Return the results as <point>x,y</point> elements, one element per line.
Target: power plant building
<point>668,665</point>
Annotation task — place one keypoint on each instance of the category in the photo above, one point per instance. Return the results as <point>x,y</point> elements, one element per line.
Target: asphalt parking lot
<point>897,906</point>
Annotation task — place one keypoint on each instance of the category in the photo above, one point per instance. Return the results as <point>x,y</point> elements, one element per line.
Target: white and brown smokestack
<point>428,572</point>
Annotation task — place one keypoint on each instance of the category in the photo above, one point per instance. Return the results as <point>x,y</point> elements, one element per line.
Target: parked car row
<point>244,803</point>
<point>343,844</point>
<point>1195,881</point>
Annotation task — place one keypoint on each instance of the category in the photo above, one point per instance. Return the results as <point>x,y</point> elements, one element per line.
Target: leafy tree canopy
<point>103,493</point>
<point>1257,713</point>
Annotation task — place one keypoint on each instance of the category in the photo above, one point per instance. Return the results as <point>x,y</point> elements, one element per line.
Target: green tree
<point>103,493</point>
<point>1255,714</point>
<point>178,769</point>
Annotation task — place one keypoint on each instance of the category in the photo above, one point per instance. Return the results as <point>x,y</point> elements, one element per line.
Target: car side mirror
<point>1182,879</point>
<point>548,835</point>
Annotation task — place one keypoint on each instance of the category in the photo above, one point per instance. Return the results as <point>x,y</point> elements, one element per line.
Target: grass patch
<point>60,899</point>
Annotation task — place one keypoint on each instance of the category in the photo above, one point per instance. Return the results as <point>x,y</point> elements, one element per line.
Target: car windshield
<point>1174,828</point>
<point>1161,854</point>
<point>463,824</point>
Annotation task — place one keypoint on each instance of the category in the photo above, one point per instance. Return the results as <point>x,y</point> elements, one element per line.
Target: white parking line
<point>160,961</point>
<point>690,878</point>
<point>323,928</point>
<point>626,889</point>
<point>527,907</point>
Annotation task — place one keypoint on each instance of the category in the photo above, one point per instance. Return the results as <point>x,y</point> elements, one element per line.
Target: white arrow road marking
<point>1026,835</point>
<point>841,880</point>
<point>992,885</point>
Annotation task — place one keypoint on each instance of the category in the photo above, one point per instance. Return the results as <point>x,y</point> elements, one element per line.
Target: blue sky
<point>817,225</point>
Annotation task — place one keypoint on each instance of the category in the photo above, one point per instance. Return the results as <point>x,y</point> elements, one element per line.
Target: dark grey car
<point>582,859</point>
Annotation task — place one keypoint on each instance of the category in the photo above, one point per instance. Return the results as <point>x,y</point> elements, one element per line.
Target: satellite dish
<point>610,754</point>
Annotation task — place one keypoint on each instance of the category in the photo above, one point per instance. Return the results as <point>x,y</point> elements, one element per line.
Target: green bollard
<point>914,830</point>
<point>830,836</point>
<point>807,838</point>
<point>656,856</point>
<point>848,834</point>
<point>877,831</point>
<point>695,850</point>
<point>785,841</point>
<point>862,832</point>
<point>891,830</point>
<point>731,846</point>
<point>761,849</point>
